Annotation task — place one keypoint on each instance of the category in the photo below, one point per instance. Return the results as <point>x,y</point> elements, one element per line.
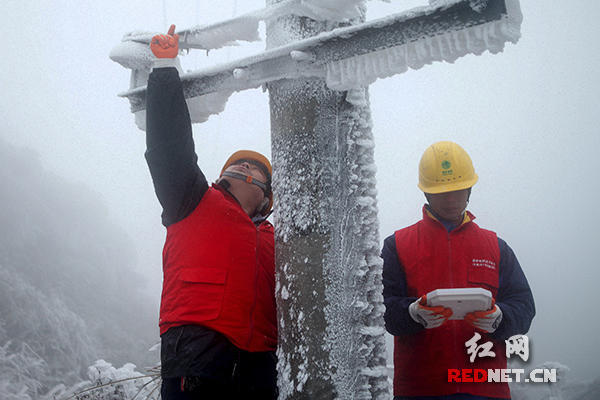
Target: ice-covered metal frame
<point>358,55</point>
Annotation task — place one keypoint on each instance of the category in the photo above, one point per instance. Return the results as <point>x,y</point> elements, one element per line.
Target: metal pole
<point>329,274</point>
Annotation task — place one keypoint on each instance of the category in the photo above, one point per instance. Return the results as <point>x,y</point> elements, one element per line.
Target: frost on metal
<point>139,58</point>
<point>133,48</point>
<point>227,33</point>
<point>447,46</point>
<point>200,108</point>
<point>329,273</point>
<point>131,54</point>
<point>329,281</point>
<point>477,5</point>
<point>330,10</point>
<point>349,56</point>
<point>354,304</point>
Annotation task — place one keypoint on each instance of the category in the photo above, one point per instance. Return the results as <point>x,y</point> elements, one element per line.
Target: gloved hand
<point>165,46</point>
<point>487,321</point>
<point>429,317</point>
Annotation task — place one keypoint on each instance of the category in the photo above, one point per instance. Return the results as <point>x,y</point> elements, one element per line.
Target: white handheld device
<point>461,300</point>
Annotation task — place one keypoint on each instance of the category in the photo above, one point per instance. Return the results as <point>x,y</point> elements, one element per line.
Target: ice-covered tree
<point>69,293</point>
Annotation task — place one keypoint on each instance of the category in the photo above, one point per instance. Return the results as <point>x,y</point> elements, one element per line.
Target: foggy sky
<point>528,117</point>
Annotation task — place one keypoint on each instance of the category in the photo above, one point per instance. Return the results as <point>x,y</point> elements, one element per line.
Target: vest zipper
<point>256,266</point>
<point>450,265</point>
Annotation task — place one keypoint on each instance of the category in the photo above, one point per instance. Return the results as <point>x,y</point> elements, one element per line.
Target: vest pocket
<point>202,292</point>
<point>484,277</point>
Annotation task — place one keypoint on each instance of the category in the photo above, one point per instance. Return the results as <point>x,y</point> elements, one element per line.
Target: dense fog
<point>80,250</point>
<point>69,293</point>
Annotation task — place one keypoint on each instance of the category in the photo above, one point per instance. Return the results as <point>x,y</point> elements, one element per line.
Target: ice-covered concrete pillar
<point>329,273</point>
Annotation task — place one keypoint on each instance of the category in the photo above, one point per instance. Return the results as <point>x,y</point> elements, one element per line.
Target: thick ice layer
<point>329,286</point>
<point>200,108</point>
<point>308,58</point>
<point>355,333</point>
<point>328,10</point>
<point>365,69</point>
<point>477,5</point>
<point>227,33</point>
<point>131,54</point>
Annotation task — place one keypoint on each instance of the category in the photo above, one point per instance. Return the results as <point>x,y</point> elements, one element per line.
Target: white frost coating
<point>365,201</point>
<point>302,55</point>
<point>132,55</point>
<point>292,60</point>
<point>355,333</point>
<point>332,335</point>
<point>226,33</point>
<point>284,371</point>
<point>140,119</point>
<point>203,106</point>
<point>302,375</point>
<point>319,10</point>
<point>284,293</point>
<point>372,330</point>
<point>365,69</point>
<point>477,5</point>
<point>374,372</point>
<point>442,3</point>
<point>240,73</point>
<point>200,108</point>
<point>133,52</point>
<point>367,143</point>
<point>356,97</point>
<point>361,305</point>
<point>329,10</point>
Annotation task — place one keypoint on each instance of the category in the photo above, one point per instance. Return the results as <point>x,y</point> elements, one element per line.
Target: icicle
<point>365,69</point>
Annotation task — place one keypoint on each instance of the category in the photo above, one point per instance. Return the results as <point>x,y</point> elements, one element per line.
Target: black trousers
<point>198,363</point>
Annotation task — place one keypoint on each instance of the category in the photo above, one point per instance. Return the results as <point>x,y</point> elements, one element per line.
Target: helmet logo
<point>446,168</point>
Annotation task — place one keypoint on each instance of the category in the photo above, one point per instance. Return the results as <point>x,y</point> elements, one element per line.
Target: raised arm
<point>178,181</point>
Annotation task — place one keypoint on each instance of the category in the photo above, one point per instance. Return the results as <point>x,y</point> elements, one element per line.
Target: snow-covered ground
<point>528,117</point>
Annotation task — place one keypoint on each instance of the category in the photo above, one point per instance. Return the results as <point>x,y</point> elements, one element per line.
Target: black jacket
<point>190,350</point>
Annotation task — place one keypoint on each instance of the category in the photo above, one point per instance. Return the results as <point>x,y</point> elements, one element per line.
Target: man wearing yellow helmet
<point>446,249</point>
<point>217,321</point>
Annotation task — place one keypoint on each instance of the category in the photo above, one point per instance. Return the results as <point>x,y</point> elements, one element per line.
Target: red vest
<point>219,272</point>
<point>434,259</point>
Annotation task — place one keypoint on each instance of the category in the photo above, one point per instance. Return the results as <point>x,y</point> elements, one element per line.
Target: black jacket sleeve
<point>514,296</point>
<point>397,319</point>
<point>178,182</point>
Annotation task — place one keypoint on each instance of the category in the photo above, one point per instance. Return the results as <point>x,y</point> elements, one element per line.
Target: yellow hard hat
<point>446,167</point>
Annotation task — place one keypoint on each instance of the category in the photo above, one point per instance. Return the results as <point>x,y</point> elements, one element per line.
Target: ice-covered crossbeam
<point>245,26</point>
<point>358,55</point>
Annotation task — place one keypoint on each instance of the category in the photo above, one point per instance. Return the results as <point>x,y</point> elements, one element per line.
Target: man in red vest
<point>218,321</point>
<point>446,249</point>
